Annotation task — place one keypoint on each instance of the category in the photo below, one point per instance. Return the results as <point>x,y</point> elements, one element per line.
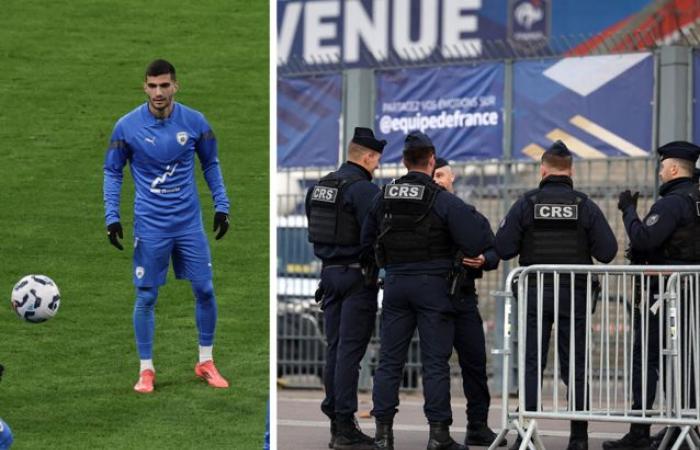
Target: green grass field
<point>68,71</point>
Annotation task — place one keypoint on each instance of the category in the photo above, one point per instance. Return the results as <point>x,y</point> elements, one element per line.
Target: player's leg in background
<point>205,316</point>
<point>192,261</point>
<point>144,322</point>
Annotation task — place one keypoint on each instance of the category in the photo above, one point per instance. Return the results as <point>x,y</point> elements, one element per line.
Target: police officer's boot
<point>440,438</point>
<point>637,439</point>
<point>349,436</point>
<point>384,436</point>
<point>578,439</point>
<point>479,434</point>
<point>334,431</point>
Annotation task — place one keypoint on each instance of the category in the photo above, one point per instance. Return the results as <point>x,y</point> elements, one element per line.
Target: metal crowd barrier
<point>667,297</point>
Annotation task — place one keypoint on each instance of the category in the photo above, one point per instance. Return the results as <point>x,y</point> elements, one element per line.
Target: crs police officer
<point>417,227</point>
<point>669,234</point>
<point>470,342</point>
<point>555,224</point>
<point>336,208</point>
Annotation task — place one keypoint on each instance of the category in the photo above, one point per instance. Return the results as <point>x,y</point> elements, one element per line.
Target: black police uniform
<point>419,227</point>
<point>574,235</point>
<point>470,341</point>
<point>336,208</point>
<point>669,234</point>
<point>470,345</point>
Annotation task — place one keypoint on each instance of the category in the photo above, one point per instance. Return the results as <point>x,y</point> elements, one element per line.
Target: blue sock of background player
<point>205,314</point>
<point>144,325</point>
<point>144,321</point>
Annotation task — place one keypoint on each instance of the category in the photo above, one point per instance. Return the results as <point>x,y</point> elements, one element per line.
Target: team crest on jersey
<point>181,138</point>
<point>404,192</point>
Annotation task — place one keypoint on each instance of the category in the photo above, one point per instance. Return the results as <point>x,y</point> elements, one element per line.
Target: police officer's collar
<point>557,179</point>
<point>418,175</point>
<point>672,185</point>
<point>365,172</point>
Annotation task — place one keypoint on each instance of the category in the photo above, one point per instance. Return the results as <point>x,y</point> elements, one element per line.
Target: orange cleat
<point>207,371</point>
<point>145,384</point>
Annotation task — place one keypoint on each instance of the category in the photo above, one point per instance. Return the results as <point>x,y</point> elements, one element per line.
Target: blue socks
<point>205,311</point>
<point>144,320</point>
<point>144,316</point>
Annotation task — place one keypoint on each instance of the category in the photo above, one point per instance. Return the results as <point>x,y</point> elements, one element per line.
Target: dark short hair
<point>557,162</point>
<point>160,67</point>
<point>417,156</point>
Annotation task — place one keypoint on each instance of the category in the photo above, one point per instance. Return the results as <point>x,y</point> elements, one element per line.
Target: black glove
<point>2,369</point>
<point>627,199</point>
<point>114,230</point>
<point>220,223</point>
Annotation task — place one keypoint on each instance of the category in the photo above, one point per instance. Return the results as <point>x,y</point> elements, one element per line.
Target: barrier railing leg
<point>496,442</point>
<point>667,439</point>
<point>681,437</point>
<point>694,436</point>
<point>521,435</point>
<point>527,438</point>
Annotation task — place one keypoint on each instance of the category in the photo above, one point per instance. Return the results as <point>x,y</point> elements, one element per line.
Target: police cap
<point>365,137</point>
<point>417,140</point>
<point>558,149</point>
<point>679,150</point>
<point>441,162</point>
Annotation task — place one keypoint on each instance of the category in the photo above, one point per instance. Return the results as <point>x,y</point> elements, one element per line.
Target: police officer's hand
<point>113,230</point>
<point>627,199</point>
<point>221,224</point>
<point>474,263</point>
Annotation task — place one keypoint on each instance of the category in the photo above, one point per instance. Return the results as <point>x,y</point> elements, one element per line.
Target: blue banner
<point>459,107</point>
<point>696,96</point>
<point>357,33</point>
<point>599,106</point>
<point>308,121</point>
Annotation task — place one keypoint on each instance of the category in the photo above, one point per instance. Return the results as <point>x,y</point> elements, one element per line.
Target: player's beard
<point>163,108</point>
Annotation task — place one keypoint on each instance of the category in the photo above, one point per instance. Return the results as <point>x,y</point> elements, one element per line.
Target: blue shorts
<point>190,254</point>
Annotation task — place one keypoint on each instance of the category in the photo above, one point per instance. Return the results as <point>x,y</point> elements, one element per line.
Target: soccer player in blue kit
<point>159,140</point>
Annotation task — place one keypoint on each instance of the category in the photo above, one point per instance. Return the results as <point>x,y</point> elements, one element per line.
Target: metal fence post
<point>507,115</point>
<point>358,103</point>
<point>674,85</point>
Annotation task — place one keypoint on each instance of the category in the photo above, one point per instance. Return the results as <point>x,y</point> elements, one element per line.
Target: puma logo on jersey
<point>404,192</point>
<point>556,212</point>
<point>324,194</point>
<point>150,140</point>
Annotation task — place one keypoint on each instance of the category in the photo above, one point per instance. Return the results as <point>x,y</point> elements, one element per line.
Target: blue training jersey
<point>160,153</point>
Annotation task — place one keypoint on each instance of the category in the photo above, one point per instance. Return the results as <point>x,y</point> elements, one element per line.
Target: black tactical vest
<point>410,230</point>
<point>331,221</point>
<point>684,244</point>
<point>556,235</point>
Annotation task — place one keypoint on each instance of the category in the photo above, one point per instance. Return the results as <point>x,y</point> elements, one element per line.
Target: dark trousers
<point>349,312</point>
<point>652,343</point>
<point>412,301</point>
<point>470,344</point>
<point>578,428</point>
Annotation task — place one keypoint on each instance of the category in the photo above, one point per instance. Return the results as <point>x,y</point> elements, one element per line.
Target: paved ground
<point>302,426</point>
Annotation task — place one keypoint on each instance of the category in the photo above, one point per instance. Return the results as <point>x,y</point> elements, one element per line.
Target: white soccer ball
<point>35,298</point>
